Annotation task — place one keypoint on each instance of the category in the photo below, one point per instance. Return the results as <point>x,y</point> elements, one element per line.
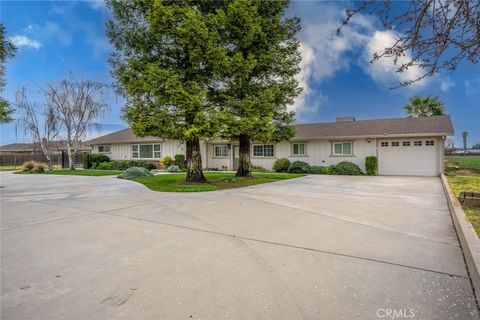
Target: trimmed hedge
<point>348,169</point>
<point>323,170</point>
<point>94,158</point>
<point>281,165</point>
<point>135,172</point>
<point>299,167</point>
<point>123,165</point>
<point>371,165</point>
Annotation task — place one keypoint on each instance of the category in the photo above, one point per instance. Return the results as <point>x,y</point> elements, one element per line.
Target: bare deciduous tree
<point>40,123</point>
<point>438,34</point>
<point>76,104</point>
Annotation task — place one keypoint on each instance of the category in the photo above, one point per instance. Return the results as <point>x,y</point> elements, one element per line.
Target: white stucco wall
<point>319,152</point>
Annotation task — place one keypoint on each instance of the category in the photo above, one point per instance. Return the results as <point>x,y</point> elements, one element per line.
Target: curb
<point>469,241</point>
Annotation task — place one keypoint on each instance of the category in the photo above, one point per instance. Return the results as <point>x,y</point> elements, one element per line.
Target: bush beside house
<point>281,165</point>
<point>348,169</point>
<point>299,167</point>
<point>371,165</point>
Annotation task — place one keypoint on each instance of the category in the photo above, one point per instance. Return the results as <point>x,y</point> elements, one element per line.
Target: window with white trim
<point>298,149</point>
<point>395,144</point>
<point>429,143</point>
<point>104,149</point>
<point>342,148</point>
<point>406,143</point>
<point>146,151</point>
<point>384,144</point>
<point>417,143</point>
<point>221,151</point>
<point>263,150</point>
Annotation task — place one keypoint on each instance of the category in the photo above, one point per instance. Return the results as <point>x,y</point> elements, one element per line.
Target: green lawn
<point>471,184</point>
<point>80,172</point>
<point>462,166</point>
<point>216,181</point>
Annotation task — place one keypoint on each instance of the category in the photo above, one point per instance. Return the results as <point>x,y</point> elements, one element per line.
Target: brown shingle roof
<point>124,135</point>
<point>435,125</point>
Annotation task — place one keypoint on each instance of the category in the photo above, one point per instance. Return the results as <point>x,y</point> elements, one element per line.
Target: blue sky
<point>55,38</point>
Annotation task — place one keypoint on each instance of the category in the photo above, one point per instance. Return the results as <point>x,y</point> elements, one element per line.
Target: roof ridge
<point>372,120</point>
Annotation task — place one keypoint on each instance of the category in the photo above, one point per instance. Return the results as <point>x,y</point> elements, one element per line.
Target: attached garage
<point>410,157</point>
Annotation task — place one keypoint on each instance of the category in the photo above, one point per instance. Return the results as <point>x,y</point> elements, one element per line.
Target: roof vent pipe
<point>345,119</point>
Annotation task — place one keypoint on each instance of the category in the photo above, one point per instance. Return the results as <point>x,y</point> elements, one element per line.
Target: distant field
<point>471,162</point>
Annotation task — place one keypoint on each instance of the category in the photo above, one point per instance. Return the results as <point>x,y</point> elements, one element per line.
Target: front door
<point>236,157</point>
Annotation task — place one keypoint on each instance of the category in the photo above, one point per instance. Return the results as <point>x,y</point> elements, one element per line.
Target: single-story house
<point>404,146</point>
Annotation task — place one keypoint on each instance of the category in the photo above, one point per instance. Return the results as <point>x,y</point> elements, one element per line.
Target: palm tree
<point>464,135</point>
<point>424,107</point>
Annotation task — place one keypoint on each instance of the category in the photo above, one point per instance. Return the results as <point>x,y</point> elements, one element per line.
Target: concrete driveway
<point>318,247</point>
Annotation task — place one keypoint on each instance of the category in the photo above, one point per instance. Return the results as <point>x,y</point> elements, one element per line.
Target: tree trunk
<point>245,165</point>
<point>71,165</point>
<point>194,161</point>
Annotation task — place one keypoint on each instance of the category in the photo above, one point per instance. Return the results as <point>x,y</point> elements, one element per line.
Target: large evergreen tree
<point>167,55</point>
<point>259,79</point>
<point>7,50</point>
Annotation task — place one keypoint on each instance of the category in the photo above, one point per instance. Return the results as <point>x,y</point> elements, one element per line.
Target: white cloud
<point>446,83</point>
<point>324,53</point>
<point>384,70</point>
<point>96,4</point>
<point>24,41</point>
<point>50,31</point>
<point>472,87</point>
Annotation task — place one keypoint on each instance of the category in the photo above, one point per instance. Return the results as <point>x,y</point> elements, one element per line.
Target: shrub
<point>173,169</point>
<point>323,170</point>
<point>281,165</point>
<point>105,166</point>
<point>135,172</point>
<point>371,165</point>
<point>258,169</point>
<point>167,161</point>
<point>28,165</point>
<point>95,158</point>
<point>299,167</point>
<point>86,162</point>
<point>121,164</point>
<point>145,164</point>
<point>348,169</point>
<point>39,167</point>
<point>180,161</point>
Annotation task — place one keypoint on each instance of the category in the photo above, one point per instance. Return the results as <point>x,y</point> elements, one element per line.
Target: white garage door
<point>408,157</point>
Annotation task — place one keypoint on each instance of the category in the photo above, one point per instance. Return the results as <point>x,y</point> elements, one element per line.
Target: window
<point>146,151</point>
<point>406,143</point>
<point>263,150</point>
<point>417,143</point>
<point>298,149</point>
<point>342,148</point>
<point>104,149</point>
<point>384,144</point>
<point>429,143</point>
<point>135,151</point>
<point>222,151</point>
<point>395,144</point>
